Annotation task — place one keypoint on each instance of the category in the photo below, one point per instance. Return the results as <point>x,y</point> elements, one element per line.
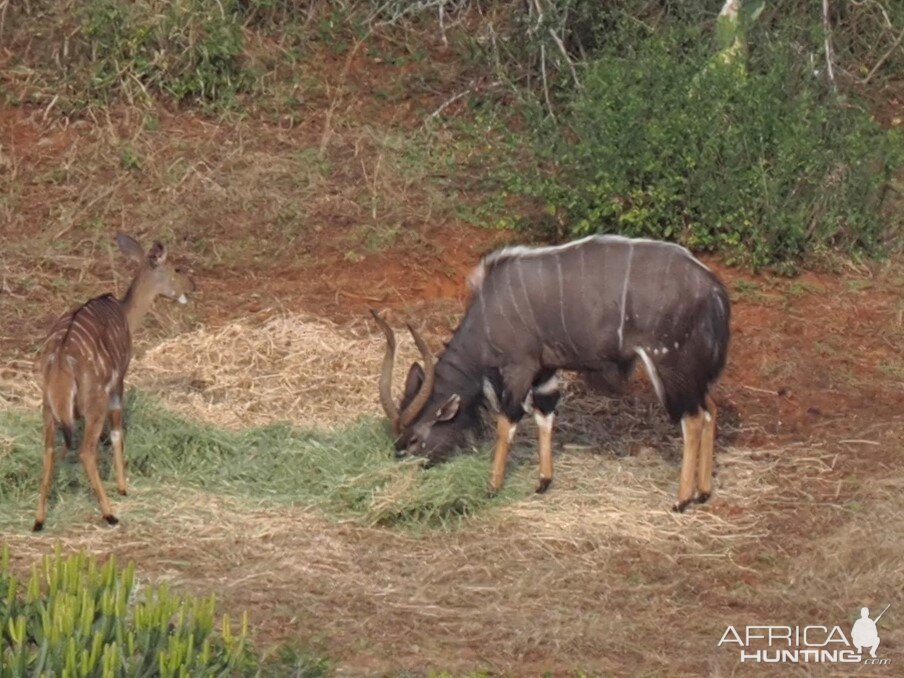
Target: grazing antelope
<point>84,361</point>
<point>592,306</point>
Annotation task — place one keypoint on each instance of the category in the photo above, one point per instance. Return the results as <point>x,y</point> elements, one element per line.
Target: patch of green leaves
<point>185,50</point>
<point>74,616</point>
<point>664,143</point>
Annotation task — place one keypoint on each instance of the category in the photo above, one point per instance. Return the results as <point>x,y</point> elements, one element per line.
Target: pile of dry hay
<point>295,368</point>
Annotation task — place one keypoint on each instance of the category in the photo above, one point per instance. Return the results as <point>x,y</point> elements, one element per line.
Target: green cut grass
<point>350,473</point>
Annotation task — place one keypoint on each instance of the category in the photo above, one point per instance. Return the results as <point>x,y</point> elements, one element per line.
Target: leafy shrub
<point>98,51</point>
<point>665,141</point>
<point>187,49</point>
<point>75,617</point>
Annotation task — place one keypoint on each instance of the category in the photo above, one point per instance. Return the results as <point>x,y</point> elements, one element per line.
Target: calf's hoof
<point>703,497</point>
<point>543,485</point>
<point>111,520</point>
<point>679,506</point>
<point>38,526</point>
<point>122,492</point>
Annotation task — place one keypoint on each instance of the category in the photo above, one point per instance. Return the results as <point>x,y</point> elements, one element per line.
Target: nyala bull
<point>592,306</point>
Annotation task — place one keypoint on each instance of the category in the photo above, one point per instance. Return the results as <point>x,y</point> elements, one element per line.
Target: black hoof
<point>122,492</point>
<point>543,485</point>
<point>38,526</point>
<point>678,507</point>
<point>702,498</point>
<point>111,520</point>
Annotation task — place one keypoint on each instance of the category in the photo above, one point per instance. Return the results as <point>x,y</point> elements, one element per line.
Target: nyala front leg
<point>544,397</point>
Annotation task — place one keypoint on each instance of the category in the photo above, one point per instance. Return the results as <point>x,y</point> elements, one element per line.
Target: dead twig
<point>884,58</point>
<point>827,35</point>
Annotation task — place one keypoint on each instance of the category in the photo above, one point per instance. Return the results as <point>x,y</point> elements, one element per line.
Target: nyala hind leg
<point>544,398</point>
<point>692,431</point>
<point>707,441</point>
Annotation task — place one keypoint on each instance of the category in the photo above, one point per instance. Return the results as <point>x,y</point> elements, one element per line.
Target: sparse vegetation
<point>633,118</point>
<point>744,151</point>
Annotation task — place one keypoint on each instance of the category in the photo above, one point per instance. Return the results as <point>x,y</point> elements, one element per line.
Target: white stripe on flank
<point>652,373</point>
<point>624,297</point>
<point>562,306</point>
<point>502,310</point>
<point>511,290</point>
<point>486,323</point>
<point>79,330</point>
<point>530,304</point>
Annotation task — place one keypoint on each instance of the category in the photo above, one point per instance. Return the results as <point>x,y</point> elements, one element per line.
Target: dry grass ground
<point>596,576</point>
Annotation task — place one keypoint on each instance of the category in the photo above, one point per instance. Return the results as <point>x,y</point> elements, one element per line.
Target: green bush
<point>76,617</point>
<point>186,49</point>
<point>100,51</point>
<point>664,141</point>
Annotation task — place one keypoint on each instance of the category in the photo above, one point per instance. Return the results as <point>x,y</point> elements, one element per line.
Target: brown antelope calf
<point>84,361</point>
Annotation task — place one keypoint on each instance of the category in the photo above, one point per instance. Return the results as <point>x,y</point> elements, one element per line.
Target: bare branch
<point>877,4</point>
<point>574,73</point>
<point>827,32</point>
<point>884,58</point>
<point>545,82</point>
<point>546,96</point>
<point>448,102</point>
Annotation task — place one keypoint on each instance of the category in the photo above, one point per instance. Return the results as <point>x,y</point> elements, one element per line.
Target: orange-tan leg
<point>707,441</point>
<point>93,428</point>
<point>118,444</point>
<point>505,432</point>
<point>47,478</point>
<point>692,430</point>
<point>544,431</point>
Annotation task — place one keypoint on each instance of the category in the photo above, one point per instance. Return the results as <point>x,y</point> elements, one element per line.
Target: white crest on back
<point>477,276</point>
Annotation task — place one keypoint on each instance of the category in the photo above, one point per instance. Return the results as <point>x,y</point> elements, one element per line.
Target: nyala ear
<point>414,380</point>
<point>130,247</point>
<point>448,409</point>
<point>157,255</point>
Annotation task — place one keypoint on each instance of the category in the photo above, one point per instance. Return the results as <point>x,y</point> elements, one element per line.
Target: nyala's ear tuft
<point>157,255</point>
